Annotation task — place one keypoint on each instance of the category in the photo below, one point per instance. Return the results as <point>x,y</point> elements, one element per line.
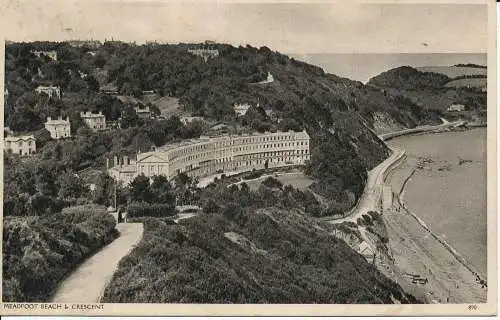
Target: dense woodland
<point>335,112</point>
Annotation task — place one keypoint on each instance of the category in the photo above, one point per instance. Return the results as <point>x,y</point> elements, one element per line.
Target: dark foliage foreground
<point>265,256</point>
<point>39,251</point>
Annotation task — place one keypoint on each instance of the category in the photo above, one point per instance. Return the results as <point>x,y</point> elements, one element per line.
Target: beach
<point>437,225</point>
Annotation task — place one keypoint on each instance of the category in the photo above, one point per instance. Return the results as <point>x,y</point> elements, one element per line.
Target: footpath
<point>87,283</point>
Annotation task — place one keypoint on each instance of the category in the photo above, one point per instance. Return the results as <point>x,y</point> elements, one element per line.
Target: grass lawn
<point>297,180</point>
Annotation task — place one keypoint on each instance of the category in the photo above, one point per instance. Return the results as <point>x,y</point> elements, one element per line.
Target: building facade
<point>241,109</point>
<point>51,91</point>
<point>94,121</point>
<point>143,113</point>
<point>58,128</point>
<point>21,145</point>
<point>205,53</point>
<point>211,155</point>
<point>456,108</point>
<point>186,120</point>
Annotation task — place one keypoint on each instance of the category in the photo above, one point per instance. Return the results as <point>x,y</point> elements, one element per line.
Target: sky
<point>296,28</point>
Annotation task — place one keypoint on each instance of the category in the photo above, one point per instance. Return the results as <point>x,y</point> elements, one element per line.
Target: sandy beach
<point>414,251</point>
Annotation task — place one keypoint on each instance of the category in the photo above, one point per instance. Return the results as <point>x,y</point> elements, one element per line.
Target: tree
<point>104,192</point>
<point>129,118</point>
<point>140,189</point>
<point>92,83</point>
<point>162,190</point>
<point>71,186</point>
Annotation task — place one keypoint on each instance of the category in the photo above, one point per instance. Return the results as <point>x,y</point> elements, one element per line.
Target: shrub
<point>142,209</point>
<point>272,183</point>
<point>39,251</point>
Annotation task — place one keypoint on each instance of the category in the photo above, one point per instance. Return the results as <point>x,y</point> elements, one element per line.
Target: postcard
<point>249,158</point>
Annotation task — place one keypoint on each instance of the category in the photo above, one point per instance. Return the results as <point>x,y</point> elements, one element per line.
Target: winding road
<point>87,283</point>
<point>370,200</point>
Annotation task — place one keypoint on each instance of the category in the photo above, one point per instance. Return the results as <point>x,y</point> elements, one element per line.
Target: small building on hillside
<point>269,79</point>
<point>21,145</point>
<point>456,108</point>
<point>205,53</point>
<point>51,91</point>
<point>366,251</point>
<point>58,128</point>
<point>94,121</point>
<point>108,89</point>
<point>124,169</point>
<point>114,124</point>
<point>52,54</point>
<point>186,120</point>
<point>143,112</point>
<point>241,109</point>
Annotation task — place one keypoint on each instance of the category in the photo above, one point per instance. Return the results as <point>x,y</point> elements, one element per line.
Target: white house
<point>58,128</point>
<point>456,108</point>
<point>95,121</point>
<point>186,120</point>
<point>22,145</point>
<point>241,109</point>
<point>49,90</point>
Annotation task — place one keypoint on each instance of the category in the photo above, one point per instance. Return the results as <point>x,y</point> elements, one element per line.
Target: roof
<point>57,121</point>
<point>125,168</point>
<point>161,152</point>
<point>24,138</point>
<point>91,115</point>
<point>48,87</point>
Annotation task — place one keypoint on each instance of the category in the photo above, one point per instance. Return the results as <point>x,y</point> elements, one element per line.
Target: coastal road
<point>371,197</point>
<point>87,283</point>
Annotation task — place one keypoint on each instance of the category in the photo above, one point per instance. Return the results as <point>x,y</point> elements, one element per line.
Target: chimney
<point>125,160</point>
<point>115,161</point>
<point>67,119</point>
<point>49,119</point>
<point>59,118</point>
<point>100,113</point>
<point>107,164</point>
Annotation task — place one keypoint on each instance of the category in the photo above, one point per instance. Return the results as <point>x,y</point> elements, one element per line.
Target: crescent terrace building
<point>211,155</point>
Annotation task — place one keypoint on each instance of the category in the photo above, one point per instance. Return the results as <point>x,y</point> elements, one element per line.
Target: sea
<point>363,66</point>
<point>450,196</point>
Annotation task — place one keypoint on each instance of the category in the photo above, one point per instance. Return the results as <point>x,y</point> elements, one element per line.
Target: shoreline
<point>449,247</point>
<point>451,276</point>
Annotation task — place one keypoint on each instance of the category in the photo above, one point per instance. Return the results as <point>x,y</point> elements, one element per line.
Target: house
<point>51,91</point>
<point>114,124</point>
<point>51,54</point>
<point>366,251</point>
<point>94,121</point>
<point>241,109</point>
<point>22,145</point>
<point>58,128</point>
<point>456,108</point>
<point>124,169</point>
<point>269,79</point>
<point>205,53</point>
<point>109,89</point>
<point>143,113</point>
<point>186,120</point>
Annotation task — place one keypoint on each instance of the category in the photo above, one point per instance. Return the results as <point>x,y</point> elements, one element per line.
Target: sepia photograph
<point>248,158</point>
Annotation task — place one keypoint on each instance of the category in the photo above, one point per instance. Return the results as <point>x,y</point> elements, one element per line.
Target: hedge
<point>143,209</point>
